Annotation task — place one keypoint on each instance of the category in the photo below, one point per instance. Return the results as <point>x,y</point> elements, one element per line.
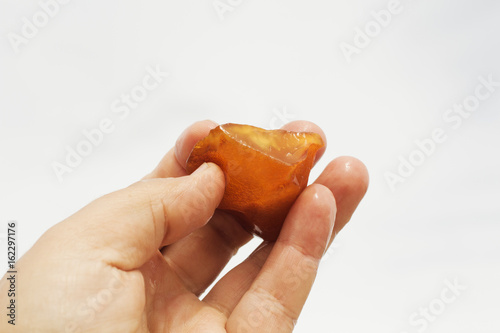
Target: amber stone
<point>265,171</point>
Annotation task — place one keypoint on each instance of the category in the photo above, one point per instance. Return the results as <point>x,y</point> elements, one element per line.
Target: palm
<point>150,299</point>
<point>160,296</point>
<point>173,285</point>
<point>170,306</point>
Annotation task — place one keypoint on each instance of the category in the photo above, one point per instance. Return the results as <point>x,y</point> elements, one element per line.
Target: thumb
<point>125,228</point>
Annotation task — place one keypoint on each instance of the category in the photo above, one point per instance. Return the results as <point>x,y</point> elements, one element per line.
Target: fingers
<point>212,246</point>
<point>276,297</point>
<point>347,179</point>
<point>199,257</point>
<point>174,162</point>
<point>127,227</point>
<point>226,293</point>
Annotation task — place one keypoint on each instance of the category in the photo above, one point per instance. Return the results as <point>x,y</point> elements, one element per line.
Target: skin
<point>136,260</point>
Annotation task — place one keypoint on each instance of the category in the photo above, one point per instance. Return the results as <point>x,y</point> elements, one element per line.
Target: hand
<point>136,260</point>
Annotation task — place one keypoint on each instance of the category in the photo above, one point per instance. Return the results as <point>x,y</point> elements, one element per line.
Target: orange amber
<point>265,172</point>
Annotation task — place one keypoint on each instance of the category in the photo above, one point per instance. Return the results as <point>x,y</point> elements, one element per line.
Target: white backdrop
<point>377,76</point>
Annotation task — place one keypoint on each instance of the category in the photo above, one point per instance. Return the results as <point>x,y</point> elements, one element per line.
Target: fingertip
<point>347,178</point>
<point>308,126</point>
<point>189,137</point>
<point>323,204</point>
<point>321,198</point>
<point>354,170</point>
<point>212,177</point>
<point>194,199</point>
<point>216,173</point>
<point>310,223</point>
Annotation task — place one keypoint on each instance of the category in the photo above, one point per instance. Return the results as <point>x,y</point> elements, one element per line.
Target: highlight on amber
<point>265,172</point>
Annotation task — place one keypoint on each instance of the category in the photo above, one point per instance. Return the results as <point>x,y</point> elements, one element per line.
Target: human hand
<point>138,259</point>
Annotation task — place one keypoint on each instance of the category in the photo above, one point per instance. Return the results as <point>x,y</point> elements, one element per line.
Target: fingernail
<point>332,217</point>
<point>177,151</point>
<point>261,246</point>
<point>178,148</point>
<point>201,168</point>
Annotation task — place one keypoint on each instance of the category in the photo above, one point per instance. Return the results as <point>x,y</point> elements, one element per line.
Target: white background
<point>264,61</point>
